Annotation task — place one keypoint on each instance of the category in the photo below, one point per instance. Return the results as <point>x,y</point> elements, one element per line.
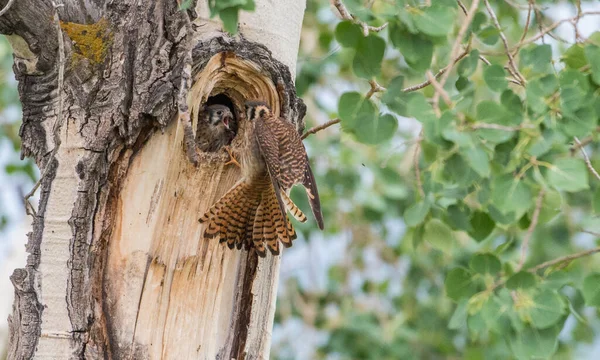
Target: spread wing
<point>286,159</point>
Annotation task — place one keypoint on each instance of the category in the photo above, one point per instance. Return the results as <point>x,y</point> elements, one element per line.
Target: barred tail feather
<point>250,215</point>
<point>293,209</point>
<point>257,230</point>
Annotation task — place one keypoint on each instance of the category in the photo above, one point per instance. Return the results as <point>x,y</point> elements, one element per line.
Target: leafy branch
<point>375,88</point>
<point>346,15</point>
<point>564,259</point>
<point>513,67</point>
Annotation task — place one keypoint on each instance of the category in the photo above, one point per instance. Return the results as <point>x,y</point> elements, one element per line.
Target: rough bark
<point>117,267</point>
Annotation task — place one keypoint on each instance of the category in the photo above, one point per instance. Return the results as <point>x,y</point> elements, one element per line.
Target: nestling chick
<point>216,128</point>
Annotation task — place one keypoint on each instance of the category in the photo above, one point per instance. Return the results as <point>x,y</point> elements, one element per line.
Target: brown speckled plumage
<point>273,159</point>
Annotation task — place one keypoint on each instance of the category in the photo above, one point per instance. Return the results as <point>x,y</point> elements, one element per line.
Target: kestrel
<point>273,159</point>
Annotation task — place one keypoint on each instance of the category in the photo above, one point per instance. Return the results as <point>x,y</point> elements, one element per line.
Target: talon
<point>232,159</point>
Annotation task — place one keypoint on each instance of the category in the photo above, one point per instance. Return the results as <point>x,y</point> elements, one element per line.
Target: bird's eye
<point>219,113</point>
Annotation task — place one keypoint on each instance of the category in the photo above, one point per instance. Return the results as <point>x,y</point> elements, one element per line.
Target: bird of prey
<point>216,128</point>
<point>253,212</point>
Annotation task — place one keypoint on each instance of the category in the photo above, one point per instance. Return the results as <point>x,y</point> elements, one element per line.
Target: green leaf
<point>354,109</point>
<point>539,89</point>
<point>468,65</point>
<point>420,109</point>
<point>458,171</point>
<point>596,201</point>
<point>416,213</point>
<point>511,195</point>
<point>551,207</point>
<point>375,130</point>
<point>489,35</point>
<point>533,343</point>
<point>368,57</point>
<point>458,217</point>
<point>591,289</point>
<point>348,34</point>
<point>495,78</point>
<point>574,57</point>
<point>439,235</point>
<point>459,284</point>
<point>479,19</point>
<point>521,280</point>
<point>511,102</point>
<point>580,122</point>
<point>536,58</point>
<point>459,317</point>
<point>548,308</point>
<point>349,105</point>
<point>494,113</point>
<point>436,20</point>
<point>485,264</point>
<point>477,158</point>
<point>482,225</point>
<point>416,49</point>
<point>229,16</point>
<point>418,234</point>
<point>568,174</point>
<point>574,88</point>
<point>592,52</point>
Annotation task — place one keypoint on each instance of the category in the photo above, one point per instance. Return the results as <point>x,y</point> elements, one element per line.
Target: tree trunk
<point>117,266</point>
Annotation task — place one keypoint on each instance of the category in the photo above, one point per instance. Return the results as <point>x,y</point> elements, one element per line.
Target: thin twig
<point>316,129</point>
<point>464,9</point>
<point>519,6</point>
<point>440,90</point>
<point>564,259</point>
<point>588,163</point>
<point>346,15</point>
<point>375,88</point>
<point>575,21</point>
<point>456,47</point>
<point>416,165</point>
<point>437,76</point>
<point>527,22</point>
<point>532,225</point>
<point>6,7</point>
<point>462,6</point>
<point>502,127</point>
<point>511,60</point>
<point>29,209</point>
<point>588,140</point>
<point>486,61</point>
<point>554,26</point>
<point>591,232</point>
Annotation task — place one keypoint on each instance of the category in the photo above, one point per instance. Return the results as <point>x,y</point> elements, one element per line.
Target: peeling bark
<point>117,267</point>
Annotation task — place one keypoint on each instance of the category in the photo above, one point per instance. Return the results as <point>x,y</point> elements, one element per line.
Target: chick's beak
<point>226,121</point>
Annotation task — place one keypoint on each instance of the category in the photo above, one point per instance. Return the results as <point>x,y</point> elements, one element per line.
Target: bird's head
<point>217,114</point>
<point>256,110</point>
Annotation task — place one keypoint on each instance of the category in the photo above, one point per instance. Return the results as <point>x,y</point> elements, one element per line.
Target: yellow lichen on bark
<point>90,41</point>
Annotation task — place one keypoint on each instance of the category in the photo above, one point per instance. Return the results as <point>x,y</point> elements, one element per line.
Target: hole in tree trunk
<point>229,80</point>
<point>222,99</point>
